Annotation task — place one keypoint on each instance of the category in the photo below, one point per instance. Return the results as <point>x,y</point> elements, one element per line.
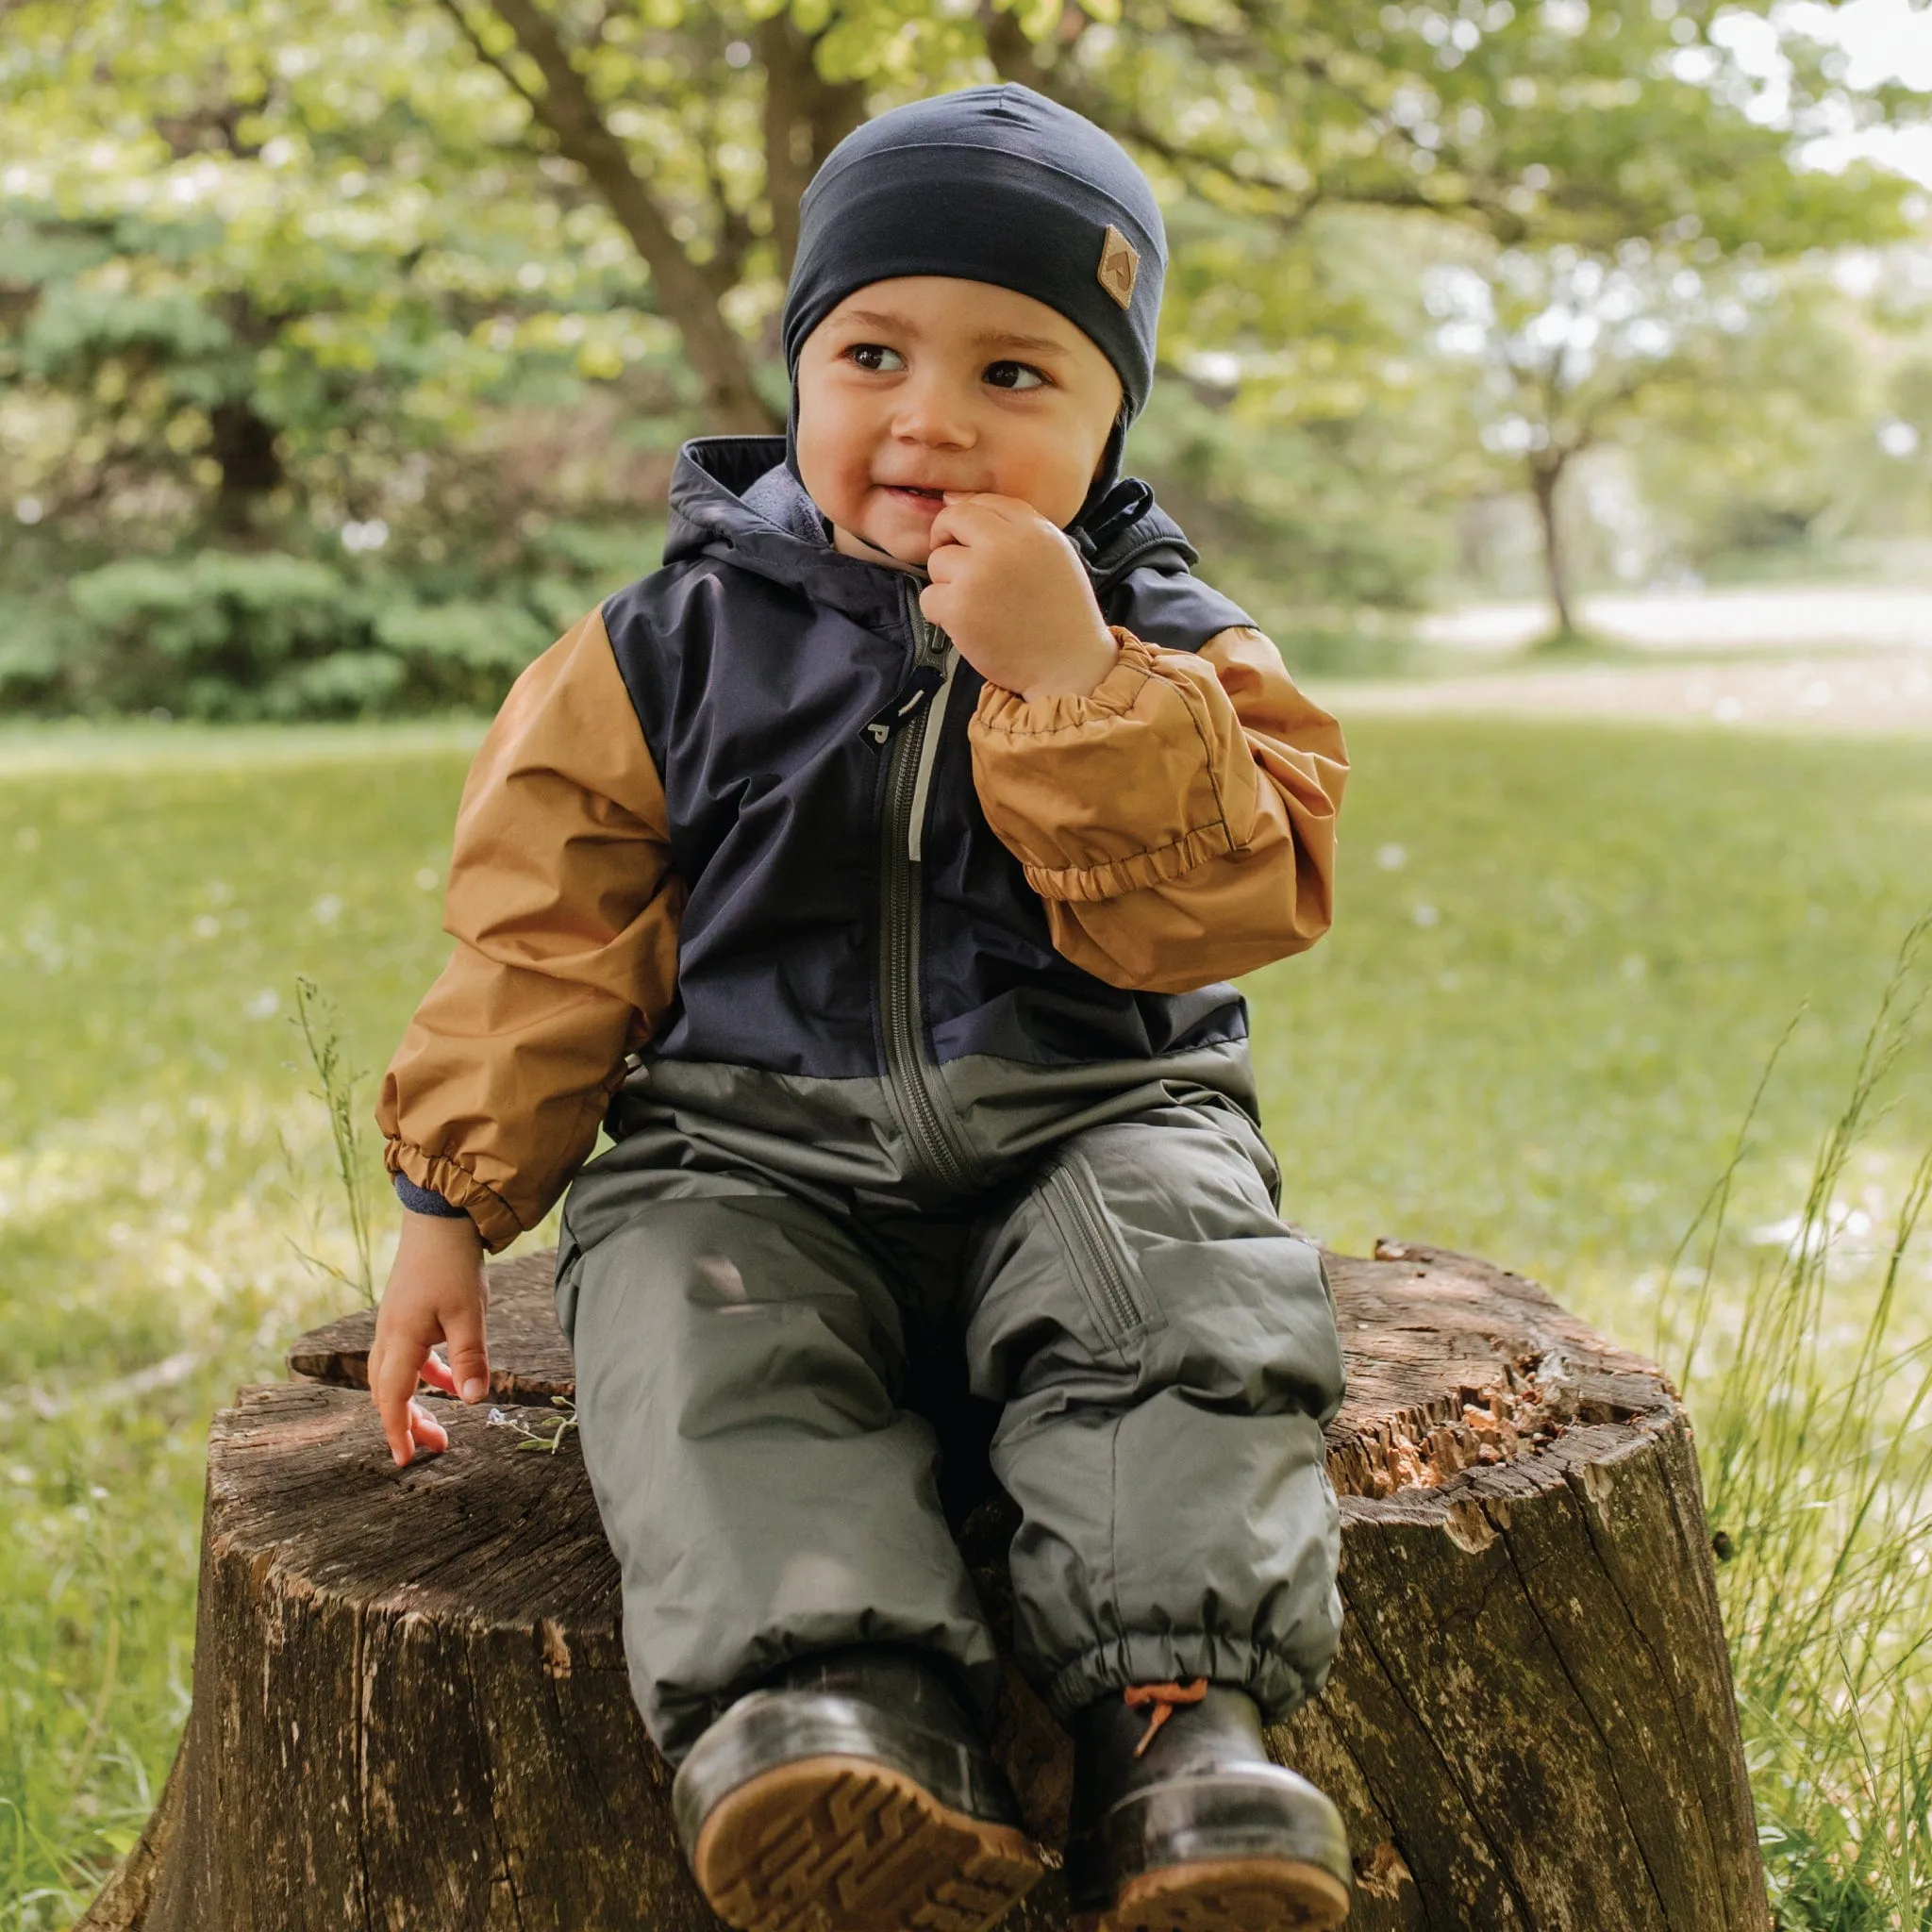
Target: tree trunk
<point>805,117</point>
<point>245,446</point>
<point>1545,473</point>
<point>411,1707</point>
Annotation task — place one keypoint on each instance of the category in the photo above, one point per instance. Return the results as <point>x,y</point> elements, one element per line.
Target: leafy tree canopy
<point>423,291</point>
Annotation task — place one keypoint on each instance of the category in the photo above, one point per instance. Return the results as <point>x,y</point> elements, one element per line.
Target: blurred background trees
<point>345,347</point>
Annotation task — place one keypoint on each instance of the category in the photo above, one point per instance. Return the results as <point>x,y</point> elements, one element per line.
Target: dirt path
<point>1794,617</point>
<point>1857,692</point>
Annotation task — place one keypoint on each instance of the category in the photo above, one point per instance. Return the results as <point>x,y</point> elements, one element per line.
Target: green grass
<point>1564,954</point>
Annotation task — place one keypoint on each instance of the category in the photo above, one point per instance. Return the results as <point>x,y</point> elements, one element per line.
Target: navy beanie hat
<point>994,184</point>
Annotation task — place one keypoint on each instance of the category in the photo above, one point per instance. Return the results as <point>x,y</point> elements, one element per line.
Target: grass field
<point>1563,955</point>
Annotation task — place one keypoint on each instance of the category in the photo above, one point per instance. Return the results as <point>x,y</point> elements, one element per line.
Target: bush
<point>265,634</point>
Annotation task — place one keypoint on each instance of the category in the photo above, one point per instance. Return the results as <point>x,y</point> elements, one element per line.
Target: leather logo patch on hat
<point>1120,264</point>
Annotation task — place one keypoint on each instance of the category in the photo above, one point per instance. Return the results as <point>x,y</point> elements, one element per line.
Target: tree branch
<point>1011,55</point>
<point>684,291</point>
<point>456,11</point>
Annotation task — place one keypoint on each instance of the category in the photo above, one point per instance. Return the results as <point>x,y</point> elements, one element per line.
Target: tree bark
<point>565,106</point>
<point>1545,471</point>
<point>244,443</point>
<point>411,1707</point>
<point>805,117</point>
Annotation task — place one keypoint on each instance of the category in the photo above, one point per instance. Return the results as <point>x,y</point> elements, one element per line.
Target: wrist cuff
<point>425,1200</point>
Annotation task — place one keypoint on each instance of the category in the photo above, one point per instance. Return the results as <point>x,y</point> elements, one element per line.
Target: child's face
<point>925,383</point>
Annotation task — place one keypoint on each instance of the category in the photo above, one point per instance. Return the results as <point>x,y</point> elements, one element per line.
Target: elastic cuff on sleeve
<point>1115,696</point>
<point>1117,877</point>
<point>425,1200</point>
<point>439,1175</point>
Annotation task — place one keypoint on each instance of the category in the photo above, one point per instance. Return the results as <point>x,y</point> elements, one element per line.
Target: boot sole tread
<point>1231,1895</point>
<point>844,1844</point>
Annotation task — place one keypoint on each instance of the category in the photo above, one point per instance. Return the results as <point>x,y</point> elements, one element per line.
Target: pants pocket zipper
<point>1096,1243</point>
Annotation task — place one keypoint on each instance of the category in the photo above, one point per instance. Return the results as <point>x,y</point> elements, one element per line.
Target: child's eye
<point>876,356</point>
<point>1014,376</point>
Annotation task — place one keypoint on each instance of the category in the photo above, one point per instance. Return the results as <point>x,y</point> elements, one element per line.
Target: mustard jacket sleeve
<point>1179,821</point>
<point>565,911</point>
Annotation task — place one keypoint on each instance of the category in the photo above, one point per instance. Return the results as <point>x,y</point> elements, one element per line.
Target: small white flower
<point>1897,440</point>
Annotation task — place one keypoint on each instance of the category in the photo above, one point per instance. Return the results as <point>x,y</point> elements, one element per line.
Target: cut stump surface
<point>411,1707</point>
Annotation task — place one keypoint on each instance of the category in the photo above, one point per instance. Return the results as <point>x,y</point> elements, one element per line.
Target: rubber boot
<point>1180,1823</point>
<point>852,1793</point>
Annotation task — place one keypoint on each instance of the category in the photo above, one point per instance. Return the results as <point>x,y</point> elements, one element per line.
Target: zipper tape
<point>928,751</point>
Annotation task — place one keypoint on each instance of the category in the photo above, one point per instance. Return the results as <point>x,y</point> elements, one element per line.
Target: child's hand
<point>436,1292</point>
<point>1009,587</point>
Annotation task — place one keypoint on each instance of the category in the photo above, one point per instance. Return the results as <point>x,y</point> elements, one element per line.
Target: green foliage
<point>274,272</point>
<point>1838,442</point>
<point>296,378</point>
<point>262,634</point>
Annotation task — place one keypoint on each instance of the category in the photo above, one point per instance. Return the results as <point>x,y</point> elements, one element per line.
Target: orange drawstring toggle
<point>1163,1697</point>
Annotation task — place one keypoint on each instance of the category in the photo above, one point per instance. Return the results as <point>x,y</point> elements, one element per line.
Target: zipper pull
<point>913,697</point>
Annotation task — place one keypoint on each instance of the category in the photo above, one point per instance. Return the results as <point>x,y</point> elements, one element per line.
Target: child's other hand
<point>436,1292</point>
<point>1009,587</point>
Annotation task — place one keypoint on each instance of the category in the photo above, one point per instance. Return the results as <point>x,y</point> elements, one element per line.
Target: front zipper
<point>1085,1229</point>
<point>909,1066</point>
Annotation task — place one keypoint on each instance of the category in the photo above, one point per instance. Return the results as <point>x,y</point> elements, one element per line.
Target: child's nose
<point>933,413</point>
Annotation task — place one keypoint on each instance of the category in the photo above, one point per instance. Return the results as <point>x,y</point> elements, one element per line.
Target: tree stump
<point>410,1707</point>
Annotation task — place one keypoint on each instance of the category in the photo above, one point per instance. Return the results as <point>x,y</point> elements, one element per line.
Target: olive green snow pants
<point>751,1353</point>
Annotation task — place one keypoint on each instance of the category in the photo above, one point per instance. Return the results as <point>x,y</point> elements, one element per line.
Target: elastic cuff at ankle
<point>1278,1687</point>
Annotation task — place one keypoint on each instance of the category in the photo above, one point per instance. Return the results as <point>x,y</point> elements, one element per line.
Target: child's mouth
<point>912,493</point>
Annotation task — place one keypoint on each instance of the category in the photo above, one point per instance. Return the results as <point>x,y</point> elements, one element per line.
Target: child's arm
<point>565,910</point>
<point>1178,820</point>
<point>1175,809</point>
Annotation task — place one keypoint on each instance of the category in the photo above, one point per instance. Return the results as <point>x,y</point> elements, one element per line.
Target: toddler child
<point>871,871</point>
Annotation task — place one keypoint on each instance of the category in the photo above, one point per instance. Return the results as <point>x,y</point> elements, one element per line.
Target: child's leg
<point>1167,1355</point>
<point>1166,1351</point>
<point>738,1359</point>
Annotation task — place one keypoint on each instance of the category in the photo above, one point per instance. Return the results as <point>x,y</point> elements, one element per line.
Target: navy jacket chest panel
<point>753,701</point>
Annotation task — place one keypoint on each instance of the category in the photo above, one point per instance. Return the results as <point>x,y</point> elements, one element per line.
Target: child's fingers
<point>393,1376</point>
<point>965,520</point>
<point>936,605</point>
<point>469,1356</point>
<point>945,561</point>
<point>988,502</point>
<point>943,529</point>
<point>436,1371</point>
<point>426,1432</point>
